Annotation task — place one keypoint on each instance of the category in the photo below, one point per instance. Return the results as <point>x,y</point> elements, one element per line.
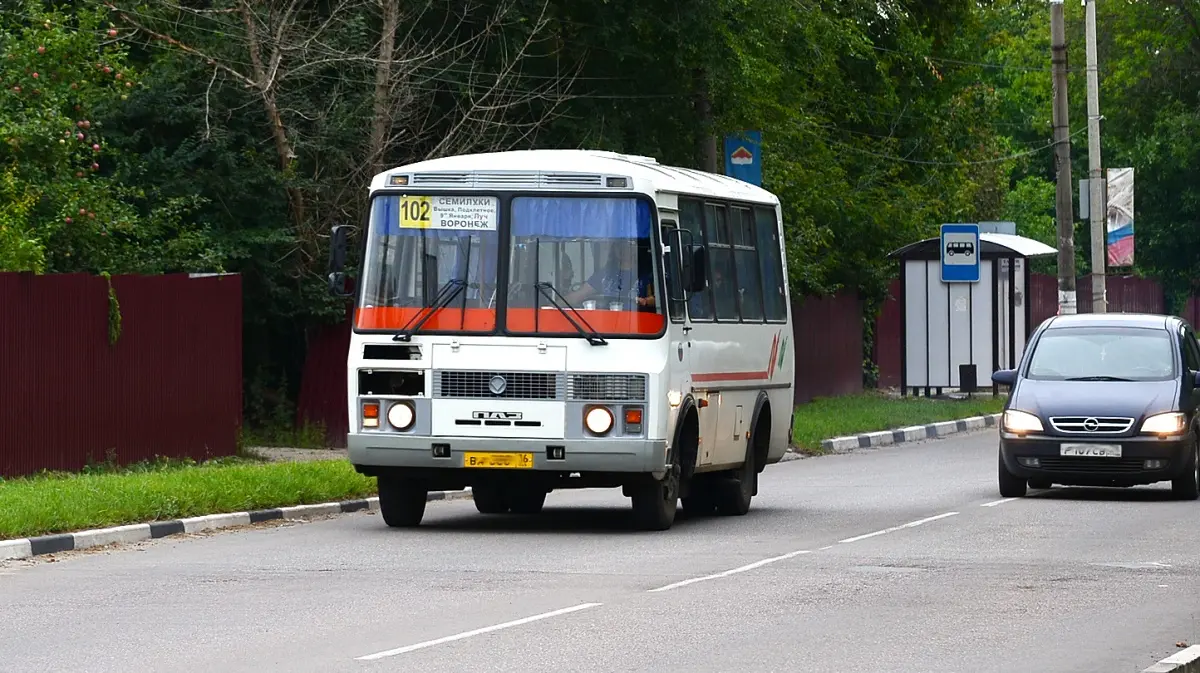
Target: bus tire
<point>402,501</point>
<point>700,500</point>
<point>735,494</point>
<point>656,501</point>
<point>489,498</point>
<point>527,501</point>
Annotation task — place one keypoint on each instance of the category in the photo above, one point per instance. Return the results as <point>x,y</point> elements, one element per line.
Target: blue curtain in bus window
<point>387,221</point>
<point>580,217</point>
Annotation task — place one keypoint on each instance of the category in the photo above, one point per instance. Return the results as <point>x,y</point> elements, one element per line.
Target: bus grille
<point>517,385</point>
<point>607,387</point>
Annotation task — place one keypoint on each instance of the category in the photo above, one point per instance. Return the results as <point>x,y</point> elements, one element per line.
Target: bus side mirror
<point>337,261</point>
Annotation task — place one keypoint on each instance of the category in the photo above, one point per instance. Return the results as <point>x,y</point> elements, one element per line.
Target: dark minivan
<point>1103,400</point>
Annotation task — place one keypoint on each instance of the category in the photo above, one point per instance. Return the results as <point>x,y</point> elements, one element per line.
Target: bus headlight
<point>599,420</point>
<point>401,415</point>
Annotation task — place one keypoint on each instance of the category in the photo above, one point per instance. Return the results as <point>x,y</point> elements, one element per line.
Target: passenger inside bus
<point>718,289</point>
<point>620,278</point>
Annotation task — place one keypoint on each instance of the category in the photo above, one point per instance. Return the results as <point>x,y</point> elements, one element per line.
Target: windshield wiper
<point>592,336</point>
<point>1097,378</point>
<point>445,295</point>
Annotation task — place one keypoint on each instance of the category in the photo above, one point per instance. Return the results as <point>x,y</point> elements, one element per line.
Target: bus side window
<point>690,218</point>
<point>770,261</point>
<point>671,264</point>
<point>747,265</point>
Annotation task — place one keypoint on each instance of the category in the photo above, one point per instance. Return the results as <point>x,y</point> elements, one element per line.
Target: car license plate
<point>499,460</point>
<point>1091,450</point>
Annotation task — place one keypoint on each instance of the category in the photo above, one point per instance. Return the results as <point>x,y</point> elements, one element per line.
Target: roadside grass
<point>825,418</point>
<point>57,503</point>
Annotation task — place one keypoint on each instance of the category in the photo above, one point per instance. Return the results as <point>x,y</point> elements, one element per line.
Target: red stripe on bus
<point>764,375</point>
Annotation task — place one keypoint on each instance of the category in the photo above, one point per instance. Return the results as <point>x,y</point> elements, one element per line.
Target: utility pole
<point>1062,159</point>
<point>1097,187</point>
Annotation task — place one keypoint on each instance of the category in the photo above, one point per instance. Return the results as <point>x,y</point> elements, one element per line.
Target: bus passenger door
<point>679,361</point>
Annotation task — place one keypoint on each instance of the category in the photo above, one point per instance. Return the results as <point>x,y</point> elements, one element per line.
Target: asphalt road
<point>899,559</point>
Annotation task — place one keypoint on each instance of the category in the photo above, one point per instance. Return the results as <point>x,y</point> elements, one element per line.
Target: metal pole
<point>1097,189</point>
<point>1062,159</point>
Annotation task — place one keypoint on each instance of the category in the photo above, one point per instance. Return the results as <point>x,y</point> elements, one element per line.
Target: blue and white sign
<point>960,253</point>
<point>743,156</point>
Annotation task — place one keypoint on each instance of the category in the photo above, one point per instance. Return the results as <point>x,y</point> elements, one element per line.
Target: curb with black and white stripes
<point>1186,661</point>
<point>915,433</point>
<point>64,542</point>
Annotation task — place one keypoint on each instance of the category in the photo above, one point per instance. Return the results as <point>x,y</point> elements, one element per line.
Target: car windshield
<point>1103,353</point>
<point>595,253</point>
<point>421,248</point>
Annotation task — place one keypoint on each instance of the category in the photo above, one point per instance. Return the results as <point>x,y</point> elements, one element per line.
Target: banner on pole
<point>743,156</point>
<point>1120,217</point>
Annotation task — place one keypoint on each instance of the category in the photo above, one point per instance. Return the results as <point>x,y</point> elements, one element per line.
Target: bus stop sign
<point>960,253</point>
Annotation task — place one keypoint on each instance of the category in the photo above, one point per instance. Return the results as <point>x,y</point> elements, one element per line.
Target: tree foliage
<point>231,134</point>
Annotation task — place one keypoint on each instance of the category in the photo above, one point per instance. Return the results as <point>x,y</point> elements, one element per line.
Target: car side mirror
<point>1196,378</point>
<point>1005,377</point>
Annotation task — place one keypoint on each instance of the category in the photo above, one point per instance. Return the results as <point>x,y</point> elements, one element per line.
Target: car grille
<point>518,385</point>
<point>607,387</point>
<point>1092,465</point>
<point>1091,425</point>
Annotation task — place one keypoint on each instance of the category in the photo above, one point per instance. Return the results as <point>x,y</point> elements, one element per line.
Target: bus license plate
<point>1091,450</point>
<point>499,460</point>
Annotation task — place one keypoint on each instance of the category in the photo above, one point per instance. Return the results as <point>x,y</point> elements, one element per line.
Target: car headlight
<point>1019,421</point>
<point>1171,423</point>
<point>598,419</point>
<point>401,416</point>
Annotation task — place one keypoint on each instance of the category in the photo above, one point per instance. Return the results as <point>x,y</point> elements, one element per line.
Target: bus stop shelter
<point>960,323</point>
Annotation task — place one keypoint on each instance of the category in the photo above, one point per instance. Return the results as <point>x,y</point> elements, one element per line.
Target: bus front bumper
<point>451,453</point>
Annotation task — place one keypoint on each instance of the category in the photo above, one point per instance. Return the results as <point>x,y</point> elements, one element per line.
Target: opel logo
<point>1091,425</point>
<point>497,385</point>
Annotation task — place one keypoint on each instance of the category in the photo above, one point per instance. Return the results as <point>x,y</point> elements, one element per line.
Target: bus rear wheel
<point>734,494</point>
<point>402,501</point>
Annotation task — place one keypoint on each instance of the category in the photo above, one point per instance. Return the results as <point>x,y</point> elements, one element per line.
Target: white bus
<point>522,325</point>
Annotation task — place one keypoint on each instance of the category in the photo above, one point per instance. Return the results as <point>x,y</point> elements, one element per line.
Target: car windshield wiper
<point>592,336</point>
<point>1097,378</point>
<point>445,295</point>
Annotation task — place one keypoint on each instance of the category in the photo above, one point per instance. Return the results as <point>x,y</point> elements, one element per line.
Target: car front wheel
<point>1187,485</point>
<point>1011,486</point>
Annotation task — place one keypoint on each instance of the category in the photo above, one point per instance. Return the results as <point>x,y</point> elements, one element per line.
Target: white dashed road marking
<point>487,629</point>
<point>727,573</point>
<point>911,524</point>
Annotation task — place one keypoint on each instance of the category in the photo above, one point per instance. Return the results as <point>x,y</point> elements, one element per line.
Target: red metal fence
<point>827,344</point>
<point>1126,294</point>
<point>170,386</point>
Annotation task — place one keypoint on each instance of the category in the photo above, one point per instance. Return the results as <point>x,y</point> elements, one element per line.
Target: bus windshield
<point>588,253</point>
<point>422,249</point>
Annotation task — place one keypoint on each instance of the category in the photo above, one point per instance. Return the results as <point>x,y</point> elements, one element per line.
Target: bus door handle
<point>687,328</point>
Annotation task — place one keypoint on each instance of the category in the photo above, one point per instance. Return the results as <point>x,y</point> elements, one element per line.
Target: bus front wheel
<point>402,501</point>
<point>656,501</point>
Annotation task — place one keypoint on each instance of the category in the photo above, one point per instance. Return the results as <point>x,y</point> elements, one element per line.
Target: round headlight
<point>599,420</point>
<point>401,416</point>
